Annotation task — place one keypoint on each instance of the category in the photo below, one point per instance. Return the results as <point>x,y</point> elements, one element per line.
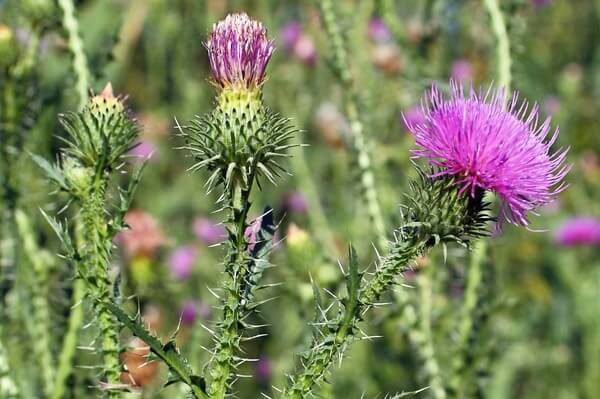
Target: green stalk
<point>80,68</point>
<point>40,265</point>
<point>96,254</point>
<point>502,46</point>
<point>323,352</point>
<point>229,335</point>
<point>69,345</point>
<point>357,128</point>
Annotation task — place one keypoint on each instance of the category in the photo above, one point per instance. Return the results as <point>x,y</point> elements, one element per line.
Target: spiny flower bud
<point>101,132</point>
<point>78,177</point>
<point>241,138</point>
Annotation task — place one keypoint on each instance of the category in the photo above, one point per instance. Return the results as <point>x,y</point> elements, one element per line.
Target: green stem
<point>69,345</point>
<point>503,44</point>
<point>423,339</point>
<point>40,265</point>
<point>357,129</point>
<point>80,68</point>
<point>323,352</point>
<point>96,254</point>
<point>229,335</point>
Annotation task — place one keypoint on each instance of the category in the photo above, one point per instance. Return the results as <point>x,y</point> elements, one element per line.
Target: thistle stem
<point>80,67</point>
<point>229,334</point>
<point>96,254</point>
<point>503,44</point>
<point>357,129</point>
<point>323,352</point>
<point>69,345</point>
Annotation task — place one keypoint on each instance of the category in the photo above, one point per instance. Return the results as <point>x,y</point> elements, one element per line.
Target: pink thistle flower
<point>239,51</point>
<point>289,35</point>
<point>143,151</point>
<point>378,31</point>
<point>487,146</point>
<point>579,231</point>
<point>208,231</point>
<point>462,70</point>
<point>181,262</point>
<point>143,237</point>
<point>414,116</point>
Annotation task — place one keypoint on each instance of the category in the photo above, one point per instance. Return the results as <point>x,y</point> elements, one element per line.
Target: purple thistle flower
<point>295,202</point>
<point>238,51</point>
<point>181,262</point>
<point>462,70</point>
<point>290,33</point>
<point>191,309</point>
<point>378,31</point>
<point>262,370</point>
<point>209,232</point>
<point>143,151</point>
<point>488,146</point>
<point>579,231</point>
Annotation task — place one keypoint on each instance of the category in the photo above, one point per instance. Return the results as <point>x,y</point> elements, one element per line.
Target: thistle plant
<point>98,137</point>
<point>240,143</point>
<point>474,146</point>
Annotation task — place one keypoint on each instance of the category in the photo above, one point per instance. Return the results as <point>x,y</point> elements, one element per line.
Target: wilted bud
<point>8,47</point>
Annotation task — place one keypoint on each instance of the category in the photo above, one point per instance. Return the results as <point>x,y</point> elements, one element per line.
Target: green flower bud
<point>78,177</point>
<point>38,11</point>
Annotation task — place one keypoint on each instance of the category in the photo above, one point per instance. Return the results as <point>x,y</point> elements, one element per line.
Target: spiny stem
<point>323,352</point>
<point>96,254</point>
<point>229,335</point>
<point>360,142</point>
<point>503,44</point>
<point>80,67</point>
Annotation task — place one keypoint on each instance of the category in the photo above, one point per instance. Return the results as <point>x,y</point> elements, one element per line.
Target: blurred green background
<point>537,332</point>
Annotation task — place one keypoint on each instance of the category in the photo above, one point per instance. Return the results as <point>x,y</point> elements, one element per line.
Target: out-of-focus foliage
<point>536,334</point>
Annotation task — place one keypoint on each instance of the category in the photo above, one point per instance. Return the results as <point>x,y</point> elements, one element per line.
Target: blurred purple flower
<point>540,3</point>
<point>209,232</point>
<point>251,233</point>
<point>262,370</point>
<point>306,51</point>
<point>378,31</point>
<point>551,105</point>
<point>414,116</point>
<point>190,311</point>
<point>584,231</point>
<point>181,262</point>
<point>462,70</point>
<point>290,33</point>
<point>295,202</point>
<point>488,147</point>
<point>145,150</point>
<point>239,51</point>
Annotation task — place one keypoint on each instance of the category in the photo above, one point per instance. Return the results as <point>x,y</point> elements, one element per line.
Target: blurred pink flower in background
<point>289,35</point>
<point>295,202</point>
<point>378,31</point>
<point>462,70</point>
<point>551,105</point>
<point>145,150</point>
<point>413,116</point>
<point>208,231</point>
<point>262,370</point>
<point>540,3</point>
<point>143,237</point>
<point>579,231</point>
<point>181,262</point>
<point>298,44</point>
<point>193,309</point>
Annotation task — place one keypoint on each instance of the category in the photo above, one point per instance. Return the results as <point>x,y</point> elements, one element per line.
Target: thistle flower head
<point>238,51</point>
<point>486,146</point>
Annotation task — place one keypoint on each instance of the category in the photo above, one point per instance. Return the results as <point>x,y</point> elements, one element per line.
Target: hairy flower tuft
<point>239,50</point>
<point>487,146</point>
